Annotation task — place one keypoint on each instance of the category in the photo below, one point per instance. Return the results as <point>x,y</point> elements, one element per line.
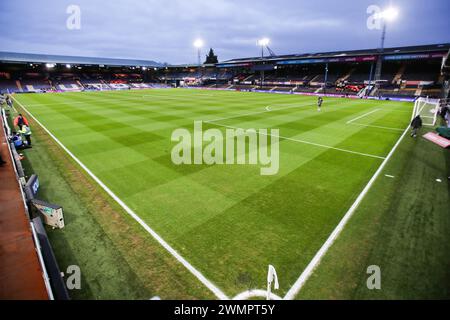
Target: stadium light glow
<point>389,14</point>
<point>263,42</point>
<point>68,66</point>
<point>50,65</point>
<point>198,43</point>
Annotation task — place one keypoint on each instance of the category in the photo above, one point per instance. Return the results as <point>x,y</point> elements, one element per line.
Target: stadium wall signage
<point>328,60</point>
<point>414,56</point>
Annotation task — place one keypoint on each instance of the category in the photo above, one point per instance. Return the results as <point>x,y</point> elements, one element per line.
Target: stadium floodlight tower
<point>388,15</point>
<point>263,43</point>
<point>198,44</point>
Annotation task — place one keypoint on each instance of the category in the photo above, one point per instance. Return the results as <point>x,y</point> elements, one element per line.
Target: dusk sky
<point>164,31</point>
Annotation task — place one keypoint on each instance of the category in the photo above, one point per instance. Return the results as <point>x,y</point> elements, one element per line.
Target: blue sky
<point>165,30</point>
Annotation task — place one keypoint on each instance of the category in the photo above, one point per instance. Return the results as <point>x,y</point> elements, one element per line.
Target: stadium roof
<point>352,53</point>
<point>14,57</point>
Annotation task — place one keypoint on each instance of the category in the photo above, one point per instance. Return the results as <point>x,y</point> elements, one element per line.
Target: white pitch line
<point>291,106</point>
<point>161,241</point>
<point>374,126</point>
<point>56,103</point>
<point>254,293</point>
<point>184,98</point>
<point>333,236</point>
<point>362,116</point>
<point>389,176</point>
<point>305,142</point>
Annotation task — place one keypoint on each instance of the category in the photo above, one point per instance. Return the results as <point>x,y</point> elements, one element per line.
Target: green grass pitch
<point>229,221</point>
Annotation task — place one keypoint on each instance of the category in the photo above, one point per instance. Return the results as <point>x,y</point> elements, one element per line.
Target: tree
<point>211,57</point>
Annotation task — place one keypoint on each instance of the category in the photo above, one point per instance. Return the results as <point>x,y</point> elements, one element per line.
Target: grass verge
<point>402,226</point>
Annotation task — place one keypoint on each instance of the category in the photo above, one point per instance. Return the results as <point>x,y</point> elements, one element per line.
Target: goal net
<point>428,109</point>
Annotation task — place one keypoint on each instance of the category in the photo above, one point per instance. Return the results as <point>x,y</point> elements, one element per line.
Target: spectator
<point>18,142</point>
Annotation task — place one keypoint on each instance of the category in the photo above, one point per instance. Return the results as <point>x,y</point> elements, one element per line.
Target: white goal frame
<point>428,119</point>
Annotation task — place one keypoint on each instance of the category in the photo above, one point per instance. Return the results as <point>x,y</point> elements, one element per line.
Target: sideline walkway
<point>21,275</point>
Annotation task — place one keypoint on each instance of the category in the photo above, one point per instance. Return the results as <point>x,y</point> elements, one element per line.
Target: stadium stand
<point>407,72</point>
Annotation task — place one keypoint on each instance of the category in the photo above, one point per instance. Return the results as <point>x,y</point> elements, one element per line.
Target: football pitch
<point>227,223</point>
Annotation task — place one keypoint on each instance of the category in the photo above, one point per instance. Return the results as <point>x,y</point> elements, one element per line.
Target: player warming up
<point>319,103</point>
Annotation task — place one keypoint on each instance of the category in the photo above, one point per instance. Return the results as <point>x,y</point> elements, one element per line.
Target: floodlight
<point>49,65</point>
<point>390,14</point>
<point>198,43</point>
<point>144,68</point>
<point>68,66</point>
<point>263,42</point>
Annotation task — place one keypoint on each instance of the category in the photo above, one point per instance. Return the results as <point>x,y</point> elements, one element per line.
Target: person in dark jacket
<point>416,124</point>
<point>319,103</point>
<point>9,101</point>
<point>20,120</point>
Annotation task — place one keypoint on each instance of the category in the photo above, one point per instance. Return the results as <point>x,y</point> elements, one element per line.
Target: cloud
<point>164,30</point>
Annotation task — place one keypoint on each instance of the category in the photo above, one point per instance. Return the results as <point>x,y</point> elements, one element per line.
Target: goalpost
<point>428,109</point>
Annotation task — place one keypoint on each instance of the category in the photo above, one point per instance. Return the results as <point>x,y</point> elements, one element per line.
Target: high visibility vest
<point>25,131</point>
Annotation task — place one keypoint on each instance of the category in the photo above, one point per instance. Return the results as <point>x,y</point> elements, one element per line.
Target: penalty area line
<point>362,116</point>
<point>219,294</point>
<point>289,106</point>
<point>374,126</point>
<point>305,142</point>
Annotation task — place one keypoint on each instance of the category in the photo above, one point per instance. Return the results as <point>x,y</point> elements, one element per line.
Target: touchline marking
<point>303,141</point>
<point>362,116</point>
<point>333,236</point>
<point>166,246</point>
